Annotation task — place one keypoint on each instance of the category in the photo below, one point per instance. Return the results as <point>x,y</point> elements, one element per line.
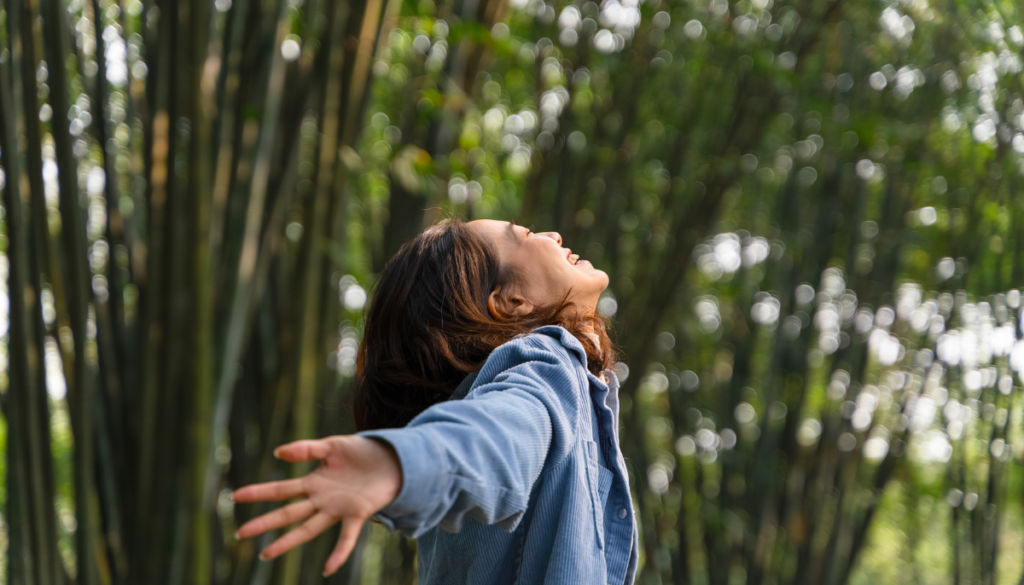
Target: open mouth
<point>573,259</point>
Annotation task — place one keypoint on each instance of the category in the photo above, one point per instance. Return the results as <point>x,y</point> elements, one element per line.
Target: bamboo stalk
<point>42,522</point>
<point>151,280</point>
<point>308,350</point>
<point>179,424</point>
<point>82,384</point>
<point>112,339</point>
<point>206,59</point>
<point>21,567</point>
<point>240,306</point>
<point>228,116</point>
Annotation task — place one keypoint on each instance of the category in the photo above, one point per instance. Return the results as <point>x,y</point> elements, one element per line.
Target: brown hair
<point>428,326</point>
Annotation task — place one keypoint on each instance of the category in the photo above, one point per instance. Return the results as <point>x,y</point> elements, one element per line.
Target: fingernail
<point>277,453</point>
<point>232,496</point>
<point>264,556</point>
<point>236,536</point>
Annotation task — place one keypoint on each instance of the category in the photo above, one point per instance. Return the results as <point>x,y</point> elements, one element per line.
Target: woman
<point>488,419</point>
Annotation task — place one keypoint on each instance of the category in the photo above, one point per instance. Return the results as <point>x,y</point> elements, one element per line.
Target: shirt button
<point>622,514</point>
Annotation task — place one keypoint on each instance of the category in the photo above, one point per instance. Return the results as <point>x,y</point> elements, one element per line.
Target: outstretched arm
<point>477,457</point>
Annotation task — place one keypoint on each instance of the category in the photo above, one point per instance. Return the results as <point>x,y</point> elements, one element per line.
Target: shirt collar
<point>567,339</point>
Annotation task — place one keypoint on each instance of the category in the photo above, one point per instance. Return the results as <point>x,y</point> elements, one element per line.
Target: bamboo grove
<point>810,210</point>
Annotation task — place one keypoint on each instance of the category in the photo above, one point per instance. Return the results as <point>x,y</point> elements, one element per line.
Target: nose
<point>553,235</point>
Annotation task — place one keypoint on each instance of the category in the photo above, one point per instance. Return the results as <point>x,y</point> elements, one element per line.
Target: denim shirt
<point>522,481</point>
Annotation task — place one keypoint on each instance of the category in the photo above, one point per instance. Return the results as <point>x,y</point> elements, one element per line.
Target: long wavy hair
<point>428,325</point>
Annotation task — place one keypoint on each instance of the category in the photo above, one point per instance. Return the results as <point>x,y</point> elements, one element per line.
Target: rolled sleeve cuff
<point>424,477</point>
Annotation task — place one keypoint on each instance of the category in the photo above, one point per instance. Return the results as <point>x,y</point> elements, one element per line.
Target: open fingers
<point>270,491</point>
<point>280,517</point>
<point>303,450</point>
<point>309,529</point>
<point>350,529</point>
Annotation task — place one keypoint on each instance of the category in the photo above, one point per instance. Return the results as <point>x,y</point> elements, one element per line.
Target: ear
<point>514,304</point>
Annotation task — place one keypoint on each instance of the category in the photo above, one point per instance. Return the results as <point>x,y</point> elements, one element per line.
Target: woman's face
<point>546,267</point>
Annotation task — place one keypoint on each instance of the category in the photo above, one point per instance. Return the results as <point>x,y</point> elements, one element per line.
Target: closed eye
<point>513,233</point>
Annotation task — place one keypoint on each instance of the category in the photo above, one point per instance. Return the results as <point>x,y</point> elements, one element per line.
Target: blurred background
<point>812,212</point>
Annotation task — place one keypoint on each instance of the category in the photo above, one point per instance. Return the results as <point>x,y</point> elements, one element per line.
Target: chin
<point>601,280</point>
<point>591,282</point>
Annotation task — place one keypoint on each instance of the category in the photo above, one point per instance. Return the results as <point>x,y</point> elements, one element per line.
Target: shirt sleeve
<point>480,456</point>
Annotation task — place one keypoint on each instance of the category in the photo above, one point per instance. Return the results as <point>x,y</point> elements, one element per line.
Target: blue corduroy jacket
<point>521,481</point>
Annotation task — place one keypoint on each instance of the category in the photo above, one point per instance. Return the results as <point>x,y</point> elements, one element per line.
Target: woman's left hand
<point>358,477</point>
